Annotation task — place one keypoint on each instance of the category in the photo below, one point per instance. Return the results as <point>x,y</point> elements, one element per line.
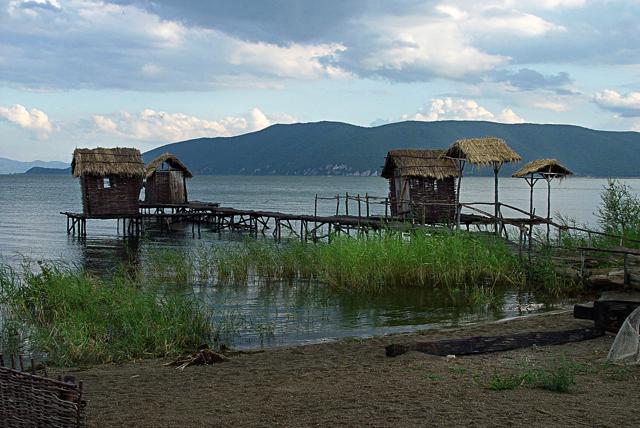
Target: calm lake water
<point>31,227</point>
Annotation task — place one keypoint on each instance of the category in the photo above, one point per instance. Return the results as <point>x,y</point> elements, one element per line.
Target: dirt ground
<point>353,383</point>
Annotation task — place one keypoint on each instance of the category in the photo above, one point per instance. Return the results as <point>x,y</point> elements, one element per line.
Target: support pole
<point>458,207</point>
<point>366,196</point>
<point>346,203</point>
<point>496,170</point>
<point>548,179</point>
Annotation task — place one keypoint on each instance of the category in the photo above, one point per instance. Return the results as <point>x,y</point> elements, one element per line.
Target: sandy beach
<point>353,383</point>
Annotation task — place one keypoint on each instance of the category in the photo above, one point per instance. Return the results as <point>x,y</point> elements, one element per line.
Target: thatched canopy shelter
<point>488,151</point>
<point>482,151</point>
<point>543,167</point>
<point>548,169</point>
<point>110,180</point>
<point>421,184</point>
<point>166,180</point>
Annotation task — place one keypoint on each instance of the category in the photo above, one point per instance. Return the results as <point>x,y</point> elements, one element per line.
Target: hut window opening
<point>106,183</point>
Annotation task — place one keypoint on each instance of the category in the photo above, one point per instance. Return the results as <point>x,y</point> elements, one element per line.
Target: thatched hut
<point>110,180</point>
<point>488,151</point>
<point>421,185</point>
<point>166,181</point>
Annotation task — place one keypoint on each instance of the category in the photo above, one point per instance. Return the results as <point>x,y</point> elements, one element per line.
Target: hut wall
<point>165,187</point>
<point>120,198</point>
<point>427,191</point>
<point>399,196</point>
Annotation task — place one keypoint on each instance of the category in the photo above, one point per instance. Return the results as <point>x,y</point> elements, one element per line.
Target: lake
<point>258,315</point>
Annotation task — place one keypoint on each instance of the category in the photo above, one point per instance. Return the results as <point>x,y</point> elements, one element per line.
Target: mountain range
<point>335,148</point>
<point>10,166</point>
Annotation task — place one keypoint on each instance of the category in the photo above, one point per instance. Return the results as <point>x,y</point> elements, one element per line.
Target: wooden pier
<point>302,226</point>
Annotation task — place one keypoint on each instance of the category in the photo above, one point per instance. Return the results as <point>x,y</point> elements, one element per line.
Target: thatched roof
<point>482,151</point>
<point>419,163</point>
<point>103,162</point>
<point>543,167</point>
<point>171,160</point>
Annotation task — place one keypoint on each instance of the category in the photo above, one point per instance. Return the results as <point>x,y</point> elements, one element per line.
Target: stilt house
<point>166,181</point>
<point>110,179</point>
<point>421,185</point>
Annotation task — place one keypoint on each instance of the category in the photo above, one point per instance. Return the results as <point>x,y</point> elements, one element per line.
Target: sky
<point>142,73</point>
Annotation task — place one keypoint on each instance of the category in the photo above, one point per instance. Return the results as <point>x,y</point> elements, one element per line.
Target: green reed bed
<point>367,264</point>
<point>418,260</point>
<point>76,318</point>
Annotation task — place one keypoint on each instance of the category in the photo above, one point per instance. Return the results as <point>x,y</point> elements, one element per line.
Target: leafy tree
<point>619,210</point>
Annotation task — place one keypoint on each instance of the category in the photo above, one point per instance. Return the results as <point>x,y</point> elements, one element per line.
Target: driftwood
<point>485,344</point>
<point>201,358</point>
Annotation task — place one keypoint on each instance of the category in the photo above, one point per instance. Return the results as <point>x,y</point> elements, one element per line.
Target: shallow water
<point>255,315</point>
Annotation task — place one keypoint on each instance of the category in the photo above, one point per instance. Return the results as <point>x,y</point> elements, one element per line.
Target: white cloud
<point>408,48</point>
<point>294,60</point>
<point>461,109</point>
<point>158,126</point>
<point>546,4</point>
<point>509,116</point>
<point>105,45</point>
<point>558,107</point>
<point>624,105</point>
<point>34,120</point>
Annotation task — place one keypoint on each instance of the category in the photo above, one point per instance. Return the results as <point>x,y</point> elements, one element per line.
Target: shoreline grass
<point>76,318</point>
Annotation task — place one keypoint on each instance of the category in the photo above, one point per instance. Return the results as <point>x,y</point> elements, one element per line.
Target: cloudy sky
<point>142,73</point>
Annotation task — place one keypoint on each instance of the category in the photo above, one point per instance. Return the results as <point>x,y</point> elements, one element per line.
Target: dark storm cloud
<point>272,21</point>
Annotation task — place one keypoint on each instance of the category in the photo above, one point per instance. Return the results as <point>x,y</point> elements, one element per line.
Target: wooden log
<point>485,344</point>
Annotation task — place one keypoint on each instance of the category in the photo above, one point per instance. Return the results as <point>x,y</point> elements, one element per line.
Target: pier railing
<point>476,213</point>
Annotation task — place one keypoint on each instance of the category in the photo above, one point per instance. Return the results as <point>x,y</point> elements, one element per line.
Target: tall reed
<point>76,318</point>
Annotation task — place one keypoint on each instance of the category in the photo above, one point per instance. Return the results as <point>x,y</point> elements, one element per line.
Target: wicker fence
<point>28,399</point>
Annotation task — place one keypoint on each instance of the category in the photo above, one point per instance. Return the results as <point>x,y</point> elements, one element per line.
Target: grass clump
<point>558,378</point>
<point>75,318</point>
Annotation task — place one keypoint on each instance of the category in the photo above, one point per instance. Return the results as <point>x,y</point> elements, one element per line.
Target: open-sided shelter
<point>421,185</point>
<point>166,181</point>
<point>546,169</point>
<point>110,180</point>
<point>488,151</point>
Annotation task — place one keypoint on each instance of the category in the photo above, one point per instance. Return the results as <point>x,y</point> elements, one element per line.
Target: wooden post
<point>359,207</point>
<point>337,204</point>
<point>315,206</point>
<point>366,196</point>
<point>346,203</point>
<point>496,169</point>
<point>386,208</point>
<point>548,178</point>
<point>627,276</point>
<point>458,206</point>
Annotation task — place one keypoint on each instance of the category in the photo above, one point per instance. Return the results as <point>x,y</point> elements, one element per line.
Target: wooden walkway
<point>302,226</point>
